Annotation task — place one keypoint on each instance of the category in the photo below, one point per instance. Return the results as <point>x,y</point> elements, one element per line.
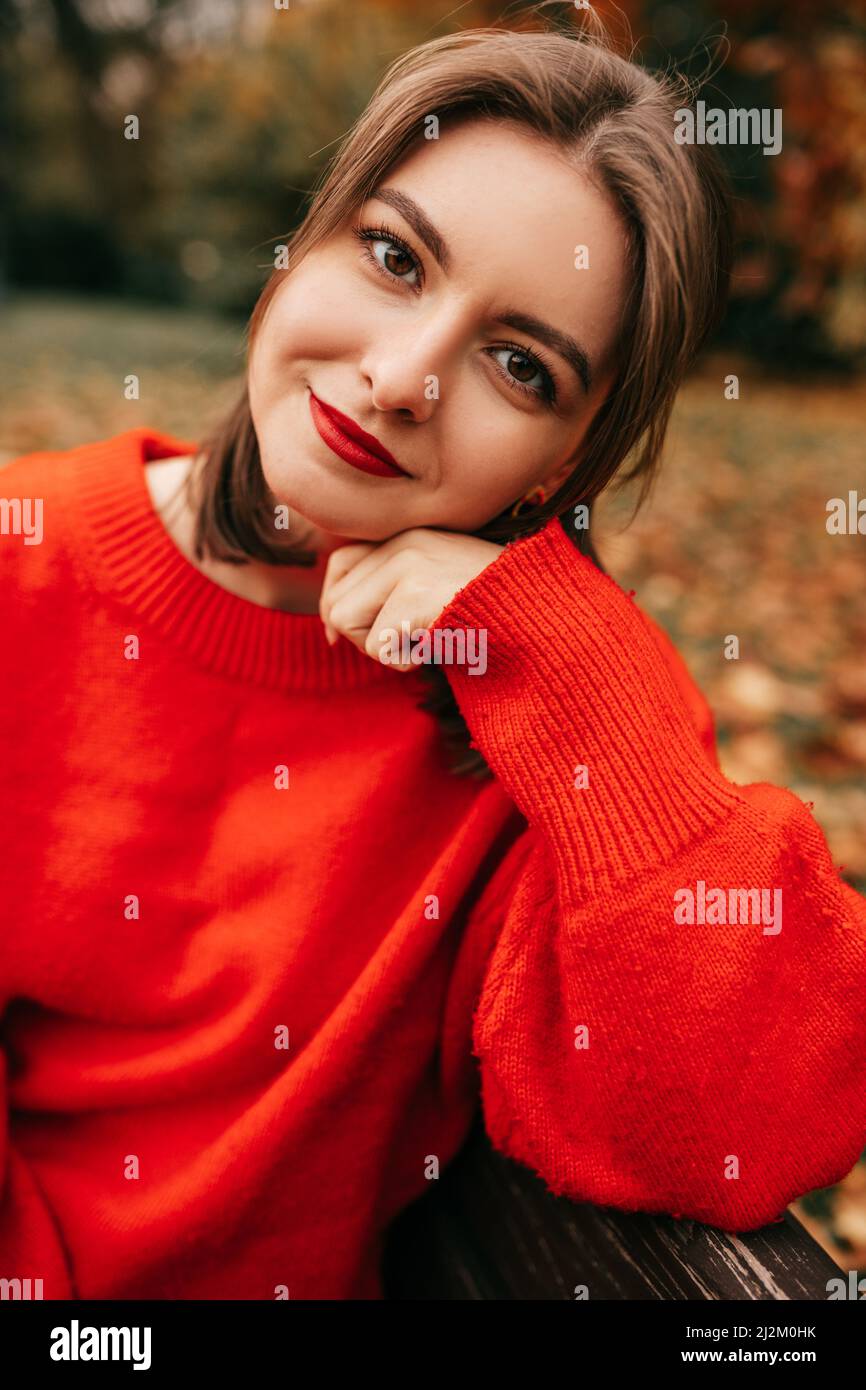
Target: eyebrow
<point>554,338</point>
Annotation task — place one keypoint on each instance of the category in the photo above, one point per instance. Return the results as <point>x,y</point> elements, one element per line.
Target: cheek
<point>310,319</point>
<point>494,453</point>
<point>299,325</point>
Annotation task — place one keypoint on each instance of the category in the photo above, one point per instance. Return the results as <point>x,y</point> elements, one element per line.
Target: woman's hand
<point>410,578</point>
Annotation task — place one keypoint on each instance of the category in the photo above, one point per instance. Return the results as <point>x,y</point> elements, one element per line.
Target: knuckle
<point>411,588</point>
<point>407,559</point>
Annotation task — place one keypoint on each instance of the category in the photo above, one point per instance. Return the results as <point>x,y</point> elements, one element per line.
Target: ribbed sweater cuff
<point>575,678</point>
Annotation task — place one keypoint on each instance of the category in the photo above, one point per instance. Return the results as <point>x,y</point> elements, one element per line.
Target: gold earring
<point>530,500</point>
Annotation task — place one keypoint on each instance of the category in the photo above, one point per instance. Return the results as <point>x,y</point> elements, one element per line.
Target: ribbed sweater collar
<point>129,552</point>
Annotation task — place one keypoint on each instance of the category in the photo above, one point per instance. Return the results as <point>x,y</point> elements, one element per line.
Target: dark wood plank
<point>489,1229</point>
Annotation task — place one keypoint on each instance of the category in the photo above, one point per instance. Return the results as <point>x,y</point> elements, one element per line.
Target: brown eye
<point>521,368</point>
<point>525,371</point>
<point>397,255</point>
<point>396,262</point>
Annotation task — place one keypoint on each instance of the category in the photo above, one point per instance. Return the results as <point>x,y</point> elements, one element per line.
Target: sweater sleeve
<point>673,1016</point>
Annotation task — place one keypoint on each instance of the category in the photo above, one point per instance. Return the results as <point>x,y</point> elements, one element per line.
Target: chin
<point>344,519</point>
<point>339,507</point>
<point>350,528</point>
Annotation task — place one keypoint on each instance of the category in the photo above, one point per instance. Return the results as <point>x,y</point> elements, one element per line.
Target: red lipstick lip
<point>351,443</point>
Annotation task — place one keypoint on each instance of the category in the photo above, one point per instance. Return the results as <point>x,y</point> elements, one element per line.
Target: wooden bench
<point>490,1229</point>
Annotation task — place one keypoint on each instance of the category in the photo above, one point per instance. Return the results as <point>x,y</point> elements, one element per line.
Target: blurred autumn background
<point>146,256</point>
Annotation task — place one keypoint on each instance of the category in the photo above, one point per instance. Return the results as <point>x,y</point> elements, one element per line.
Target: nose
<point>410,368</point>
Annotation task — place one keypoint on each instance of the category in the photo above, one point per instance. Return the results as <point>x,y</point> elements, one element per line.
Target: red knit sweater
<point>242,1018</point>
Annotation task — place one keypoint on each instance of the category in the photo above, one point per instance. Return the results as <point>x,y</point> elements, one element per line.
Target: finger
<point>401,562</point>
<point>340,562</point>
<point>355,611</point>
<point>374,554</point>
<point>385,637</point>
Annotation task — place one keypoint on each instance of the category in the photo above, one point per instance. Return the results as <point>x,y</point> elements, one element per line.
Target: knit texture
<point>263,953</point>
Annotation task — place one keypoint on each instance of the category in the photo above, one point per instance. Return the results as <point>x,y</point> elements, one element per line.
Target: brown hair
<point>614,120</point>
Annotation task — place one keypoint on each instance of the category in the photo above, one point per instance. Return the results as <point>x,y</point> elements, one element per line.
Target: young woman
<point>345,789</point>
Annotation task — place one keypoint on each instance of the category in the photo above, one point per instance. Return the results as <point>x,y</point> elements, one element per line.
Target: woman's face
<point>410,339</point>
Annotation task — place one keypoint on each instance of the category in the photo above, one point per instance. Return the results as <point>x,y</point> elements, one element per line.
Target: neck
<point>291,588</point>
